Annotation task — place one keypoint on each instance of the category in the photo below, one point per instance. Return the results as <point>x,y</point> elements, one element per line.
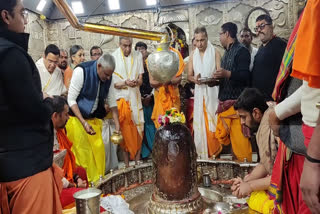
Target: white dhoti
<point>206,104</point>
<point>108,127</point>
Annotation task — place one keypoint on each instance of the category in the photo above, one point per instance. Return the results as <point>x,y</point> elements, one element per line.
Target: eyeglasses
<point>260,27</point>
<point>52,62</point>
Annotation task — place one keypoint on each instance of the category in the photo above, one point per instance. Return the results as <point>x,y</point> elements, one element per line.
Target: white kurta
<point>203,93</point>
<point>303,99</point>
<point>130,68</point>
<point>52,84</point>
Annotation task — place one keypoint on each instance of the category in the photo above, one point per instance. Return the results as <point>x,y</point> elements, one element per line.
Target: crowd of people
<point>247,97</point>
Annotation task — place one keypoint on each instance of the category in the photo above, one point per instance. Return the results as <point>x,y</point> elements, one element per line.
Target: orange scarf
<point>67,76</point>
<point>69,163</point>
<point>306,63</point>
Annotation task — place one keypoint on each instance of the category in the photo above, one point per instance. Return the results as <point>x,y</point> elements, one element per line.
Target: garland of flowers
<point>171,116</point>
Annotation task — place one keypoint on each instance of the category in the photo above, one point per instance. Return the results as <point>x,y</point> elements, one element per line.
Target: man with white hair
<point>128,79</point>
<point>204,61</point>
<point>91,86</point>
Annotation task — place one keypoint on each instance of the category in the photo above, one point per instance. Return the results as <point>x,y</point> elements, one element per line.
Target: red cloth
<point>275,188</point>
<point>82,173</point>
<point>292,201</point>
<point>66,196</point>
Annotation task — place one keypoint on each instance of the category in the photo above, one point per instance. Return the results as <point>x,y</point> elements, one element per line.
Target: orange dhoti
<point>229,130</point>
<point>39,193</point>
<point>214,147</point>
<point>132,140</point>
<point>204,125</point>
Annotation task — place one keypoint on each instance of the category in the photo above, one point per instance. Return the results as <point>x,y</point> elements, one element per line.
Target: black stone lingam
<point>174,172</point>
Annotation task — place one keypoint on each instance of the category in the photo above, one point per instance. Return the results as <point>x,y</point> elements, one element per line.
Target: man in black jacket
<point>234,76</point>
<point>27,178</point>
<point>268,58</point>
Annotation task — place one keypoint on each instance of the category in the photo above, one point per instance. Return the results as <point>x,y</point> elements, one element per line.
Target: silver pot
<point>163,64</point>
<point>88,201</point>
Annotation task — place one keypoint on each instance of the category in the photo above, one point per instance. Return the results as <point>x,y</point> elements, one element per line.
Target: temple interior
<point>159,106</point>
<point>186,15</point>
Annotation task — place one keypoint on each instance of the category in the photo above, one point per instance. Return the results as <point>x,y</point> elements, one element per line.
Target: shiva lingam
<point>170,183</point>
<point>174,172</point>
<point>175,181</point>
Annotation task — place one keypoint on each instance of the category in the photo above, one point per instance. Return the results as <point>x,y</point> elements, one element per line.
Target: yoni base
<point>159,206</point>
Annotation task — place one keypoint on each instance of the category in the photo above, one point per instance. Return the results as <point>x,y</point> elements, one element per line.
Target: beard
<point>247,44</point>
<point>63,66</point>
<point>254,126</point>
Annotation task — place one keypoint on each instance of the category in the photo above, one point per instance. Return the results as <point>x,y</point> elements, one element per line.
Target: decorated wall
<point>187,17</point>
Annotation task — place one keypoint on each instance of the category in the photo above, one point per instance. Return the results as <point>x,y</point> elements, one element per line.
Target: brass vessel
<point>116,138</point>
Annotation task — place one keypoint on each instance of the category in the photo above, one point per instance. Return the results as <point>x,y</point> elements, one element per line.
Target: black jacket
<point>266,66</point>
<point>26,133</point>
<point>237,60</point>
